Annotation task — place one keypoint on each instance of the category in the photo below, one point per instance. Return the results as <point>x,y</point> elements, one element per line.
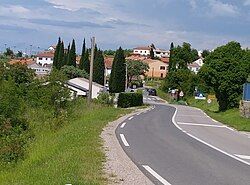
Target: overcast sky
<point>205,24</point>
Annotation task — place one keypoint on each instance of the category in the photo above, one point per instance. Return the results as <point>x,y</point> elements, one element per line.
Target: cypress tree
<point>152,55</point>
<point>98,67</point>
<point>66,58</point>
<point>81,65</point>
<point>86,62</point>
<point>56,55</point>
<point>118,74</point>
<point>72,55</point>
<point>60,62</point>
<point>171,66</point>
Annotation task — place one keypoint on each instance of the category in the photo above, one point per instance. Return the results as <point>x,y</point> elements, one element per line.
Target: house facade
<point>157,68</point>
<point>145,51</point>
<point>40,71</point>
<point>45,58</point>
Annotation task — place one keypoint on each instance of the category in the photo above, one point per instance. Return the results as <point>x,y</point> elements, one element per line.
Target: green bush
<point>130,100</point>
<point>105,98</point>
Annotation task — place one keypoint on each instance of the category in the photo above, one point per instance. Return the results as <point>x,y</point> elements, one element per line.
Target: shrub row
<point>130,100</point>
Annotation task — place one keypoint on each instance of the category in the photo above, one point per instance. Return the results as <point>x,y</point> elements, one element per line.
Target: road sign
<point>209,101</point>
<point>181,94</point>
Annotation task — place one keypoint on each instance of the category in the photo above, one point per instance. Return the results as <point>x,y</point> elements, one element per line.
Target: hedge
<point>126,100</point>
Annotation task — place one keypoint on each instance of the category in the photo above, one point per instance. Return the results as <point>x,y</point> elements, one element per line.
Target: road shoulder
<point>118,167</point>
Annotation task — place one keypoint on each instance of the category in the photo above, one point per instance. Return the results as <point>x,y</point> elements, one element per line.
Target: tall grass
<point>71,153</point>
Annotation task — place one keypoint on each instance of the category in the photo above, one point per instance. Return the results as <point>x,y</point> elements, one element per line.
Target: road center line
<point>124,140</point>
<point>243,156</point>
<point>156,175</point>
<point>123,125</point>
<point>131,118</point>
<point>202,125</point>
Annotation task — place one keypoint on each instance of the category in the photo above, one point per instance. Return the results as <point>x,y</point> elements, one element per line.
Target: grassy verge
<point>71,154</point>
<point>230,117</point>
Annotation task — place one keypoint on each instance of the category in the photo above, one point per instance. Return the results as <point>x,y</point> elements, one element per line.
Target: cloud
<point>120,22</point>
<point>13,10</point>
<point>14,28</point>
<point>68,24</point>
<point>247,2</point>
<point>219,8</point>
<point>193,4</point>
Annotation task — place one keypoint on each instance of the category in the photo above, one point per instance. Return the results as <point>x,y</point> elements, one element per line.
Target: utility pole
<point>126,82</point>
<point>91,69</point>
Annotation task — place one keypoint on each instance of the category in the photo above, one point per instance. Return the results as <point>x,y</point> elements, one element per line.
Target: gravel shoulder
<point>119,168</point>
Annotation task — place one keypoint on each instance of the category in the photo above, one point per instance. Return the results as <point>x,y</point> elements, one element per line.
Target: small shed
<point>80,86</point>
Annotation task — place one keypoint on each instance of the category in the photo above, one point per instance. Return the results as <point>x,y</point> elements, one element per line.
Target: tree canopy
<point>136,68</point>
<point>225,70</point>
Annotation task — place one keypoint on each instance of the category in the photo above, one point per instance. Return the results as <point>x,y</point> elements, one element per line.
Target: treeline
<point>65,60</point>
<point>224,72</point>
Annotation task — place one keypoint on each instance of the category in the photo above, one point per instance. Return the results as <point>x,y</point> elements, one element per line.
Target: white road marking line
<point>215,121</point>
<point>230,128</point>
<point>215,148</point>
<point>131,118</point>
<point>124,140</point>
<point>243,156</point>
<point>202,125</point>
<point>156,175</point>
<point>184,115</point>
<point>123,125</point>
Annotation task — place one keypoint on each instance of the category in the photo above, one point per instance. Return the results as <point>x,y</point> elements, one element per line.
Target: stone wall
<point>245,108</point>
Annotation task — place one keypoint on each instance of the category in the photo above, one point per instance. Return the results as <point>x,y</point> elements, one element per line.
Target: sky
<point>205,24</point>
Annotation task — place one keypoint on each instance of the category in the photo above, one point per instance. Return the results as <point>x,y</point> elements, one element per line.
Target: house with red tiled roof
<point>145,51</point>
<point>157,68</point>
<point>108,61</point>
<point>45,58</point>
<point>194,67</point>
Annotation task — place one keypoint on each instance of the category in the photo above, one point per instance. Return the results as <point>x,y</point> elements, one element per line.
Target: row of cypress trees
<point>64,57</point>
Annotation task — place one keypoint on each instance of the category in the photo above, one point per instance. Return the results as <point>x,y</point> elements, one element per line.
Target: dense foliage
<point>20,93</point>
<point>179,76</point>
<point>98,67</point>
<point>126,100</point>
<point>225,70</point>
<point>135,69</point>
<point>118,73</point>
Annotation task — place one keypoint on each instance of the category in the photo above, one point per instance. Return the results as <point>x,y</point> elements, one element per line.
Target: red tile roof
<point>47,54</point>
<point>108,62</point>
<point>142,48</point>
<point>24,61</point>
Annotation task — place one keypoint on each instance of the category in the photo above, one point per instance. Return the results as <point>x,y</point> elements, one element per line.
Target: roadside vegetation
<point>71,153</point>
<point>223,74</point>
<point>46,138</point>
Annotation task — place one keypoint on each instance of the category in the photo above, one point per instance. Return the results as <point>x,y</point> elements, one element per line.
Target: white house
<point>194,67</point>
<point>80,87</point>
<point>40,70</point>
<point>199,62</point>
<point>45,58</point>
<point>145,51</point>
<point>52,48</point>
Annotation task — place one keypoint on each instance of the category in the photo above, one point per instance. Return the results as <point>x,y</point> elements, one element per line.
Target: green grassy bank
<point>69,154</point>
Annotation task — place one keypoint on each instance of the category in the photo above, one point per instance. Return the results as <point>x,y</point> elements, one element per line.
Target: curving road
<point>167,155</point>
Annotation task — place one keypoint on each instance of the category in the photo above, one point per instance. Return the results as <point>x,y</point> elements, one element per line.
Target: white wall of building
<point>44,60</point>
<point>142,52</point>
<point>96,88</point>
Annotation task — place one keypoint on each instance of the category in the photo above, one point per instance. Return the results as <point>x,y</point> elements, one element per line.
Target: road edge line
<point>204,142</point>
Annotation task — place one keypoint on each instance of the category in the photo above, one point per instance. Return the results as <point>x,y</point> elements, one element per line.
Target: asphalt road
<point>167,155</point>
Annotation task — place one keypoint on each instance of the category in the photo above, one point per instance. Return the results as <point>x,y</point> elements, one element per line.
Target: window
<point>161,75</point>
<point>46,58</point>
<point>40,58</point>
<point>162,68</point>
<point>140,51</point>
<point>145,51</point>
